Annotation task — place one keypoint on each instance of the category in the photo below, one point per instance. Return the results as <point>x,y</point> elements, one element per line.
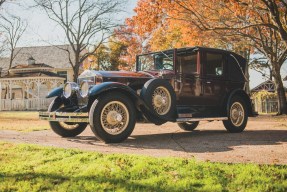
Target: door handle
<point>208,82</point>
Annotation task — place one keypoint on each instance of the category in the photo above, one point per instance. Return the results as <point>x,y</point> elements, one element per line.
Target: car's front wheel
<point>188,126</point>
<point>61,128</point>
<point>112,117</point>
<point>237,116</point>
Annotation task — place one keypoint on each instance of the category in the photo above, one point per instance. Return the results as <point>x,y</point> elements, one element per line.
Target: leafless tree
<point>12,29</point>
<point>85,22</point>
<point>1,2</point>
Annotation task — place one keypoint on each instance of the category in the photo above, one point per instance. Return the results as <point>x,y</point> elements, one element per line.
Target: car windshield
<point>155,61</point>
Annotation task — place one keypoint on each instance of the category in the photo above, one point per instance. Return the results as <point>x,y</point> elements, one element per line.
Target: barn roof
<point>267,86</point>
<point>54,56</point>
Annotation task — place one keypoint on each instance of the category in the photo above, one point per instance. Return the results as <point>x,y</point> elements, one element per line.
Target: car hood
<point>115,74</point>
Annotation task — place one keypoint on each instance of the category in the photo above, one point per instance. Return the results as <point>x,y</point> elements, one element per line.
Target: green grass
<point>22,121</point>
<point>33,168</point>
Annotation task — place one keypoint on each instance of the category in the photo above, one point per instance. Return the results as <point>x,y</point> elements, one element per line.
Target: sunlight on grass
<point>22,121</point>
<point>33,168</point>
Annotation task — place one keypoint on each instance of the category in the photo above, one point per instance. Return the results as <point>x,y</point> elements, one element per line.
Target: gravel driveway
<point>264,141</point>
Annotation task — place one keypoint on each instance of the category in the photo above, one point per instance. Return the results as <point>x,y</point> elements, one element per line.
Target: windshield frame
<point>167,53</point>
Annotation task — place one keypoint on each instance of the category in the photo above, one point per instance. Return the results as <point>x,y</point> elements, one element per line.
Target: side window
<point>214,64</point>
<point>187,62</point>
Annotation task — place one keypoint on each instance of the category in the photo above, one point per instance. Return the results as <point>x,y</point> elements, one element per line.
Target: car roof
<point>200,48</point>
<point>205,49</point>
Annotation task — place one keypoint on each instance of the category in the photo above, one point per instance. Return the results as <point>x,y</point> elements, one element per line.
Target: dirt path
<point>264,141</point>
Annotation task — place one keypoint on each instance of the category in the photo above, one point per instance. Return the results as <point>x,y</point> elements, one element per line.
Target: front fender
<point>55,92</point>
<point>105,87</point>
<point>96,90</point>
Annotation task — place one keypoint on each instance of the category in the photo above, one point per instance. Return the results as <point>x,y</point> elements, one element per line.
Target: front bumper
<point>69,117</point>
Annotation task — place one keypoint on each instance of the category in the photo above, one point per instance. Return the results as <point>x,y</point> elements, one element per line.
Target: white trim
<point>29,78</point>
<point>31,69</point>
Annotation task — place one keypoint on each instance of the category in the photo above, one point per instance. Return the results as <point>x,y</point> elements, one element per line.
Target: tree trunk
<point>76,66</point>
<point>11,59</point>
<point>247,57</point>
<point>282,107</point>
<point>76,72</point>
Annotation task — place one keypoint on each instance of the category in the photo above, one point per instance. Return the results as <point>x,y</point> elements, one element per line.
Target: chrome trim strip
<point>65,114</point>
<point>65,117</point>
<point>201,119</point>
<point>185,115</point>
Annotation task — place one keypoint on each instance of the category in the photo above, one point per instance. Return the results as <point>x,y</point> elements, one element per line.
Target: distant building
<point>54,56</point>
<point>265,98</point>
<point>35,71</point>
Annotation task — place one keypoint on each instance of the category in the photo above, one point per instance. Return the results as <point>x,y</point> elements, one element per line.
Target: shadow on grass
<point>43,182</point>
<point>200,141</point>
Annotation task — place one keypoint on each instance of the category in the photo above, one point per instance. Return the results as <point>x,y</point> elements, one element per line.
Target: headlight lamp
<point>69,89</point>
<point>84,89</point>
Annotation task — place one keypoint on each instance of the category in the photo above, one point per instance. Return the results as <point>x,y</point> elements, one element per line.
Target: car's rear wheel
<point>188,126</point>
<point>159,96</point>
<point>61,128</point>
<point>237,116</point>
<point>112,117</point>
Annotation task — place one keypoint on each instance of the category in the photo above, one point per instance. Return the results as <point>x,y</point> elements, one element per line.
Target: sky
<point>42,31</point>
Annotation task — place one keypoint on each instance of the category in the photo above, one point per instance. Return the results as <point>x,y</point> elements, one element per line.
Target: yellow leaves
<point>264,95</point>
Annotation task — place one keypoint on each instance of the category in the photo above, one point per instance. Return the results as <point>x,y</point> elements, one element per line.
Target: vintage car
<point>183,86</point>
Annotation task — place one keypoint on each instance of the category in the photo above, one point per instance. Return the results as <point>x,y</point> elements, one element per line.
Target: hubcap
<point>161,100</point>
<point>114,117</point>
<point>237,114</point>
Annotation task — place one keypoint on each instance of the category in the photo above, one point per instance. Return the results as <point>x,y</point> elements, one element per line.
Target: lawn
<point>33,168</point>
<point>22,121</point>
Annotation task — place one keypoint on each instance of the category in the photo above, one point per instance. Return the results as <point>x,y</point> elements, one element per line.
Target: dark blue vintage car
<point>184,86</point>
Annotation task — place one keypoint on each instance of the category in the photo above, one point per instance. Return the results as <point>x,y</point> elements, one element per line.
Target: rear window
<point>214,64</point>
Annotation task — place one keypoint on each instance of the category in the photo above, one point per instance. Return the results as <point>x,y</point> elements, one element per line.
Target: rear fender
<point>244,96</point>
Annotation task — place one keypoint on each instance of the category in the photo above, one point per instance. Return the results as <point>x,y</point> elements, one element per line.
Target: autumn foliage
<point>244,26</point>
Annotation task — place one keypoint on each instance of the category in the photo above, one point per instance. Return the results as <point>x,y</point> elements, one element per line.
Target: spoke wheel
<point>112,117</point>
<point>61,128</point>
<point>237,116</point>
<point>161,100</point>
<point>188,126</point>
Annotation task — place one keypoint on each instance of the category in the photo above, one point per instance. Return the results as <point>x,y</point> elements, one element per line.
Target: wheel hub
<point>237,114</point>
<point>114,117</point>
<point>160,101</point>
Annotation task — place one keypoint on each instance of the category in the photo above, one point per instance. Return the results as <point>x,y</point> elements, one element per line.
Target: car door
<point>188,86</point>
<point>213,77</point>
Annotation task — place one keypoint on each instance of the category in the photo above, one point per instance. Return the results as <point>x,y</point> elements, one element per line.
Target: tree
<point>1,2</point>
<point>12,29</point>
<point>85,22</point>
<point>241,25</point>
<point>117,54</point>
<point>247,19</point>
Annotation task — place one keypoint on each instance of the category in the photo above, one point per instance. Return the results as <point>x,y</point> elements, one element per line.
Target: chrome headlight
<point>84,89</point>
<point>69,89</point>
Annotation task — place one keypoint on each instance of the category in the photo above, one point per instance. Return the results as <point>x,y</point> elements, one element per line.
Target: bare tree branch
<point>12,29</point>
<point>84,23</point>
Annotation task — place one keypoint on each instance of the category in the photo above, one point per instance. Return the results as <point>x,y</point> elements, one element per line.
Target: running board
<point>201,119</point>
